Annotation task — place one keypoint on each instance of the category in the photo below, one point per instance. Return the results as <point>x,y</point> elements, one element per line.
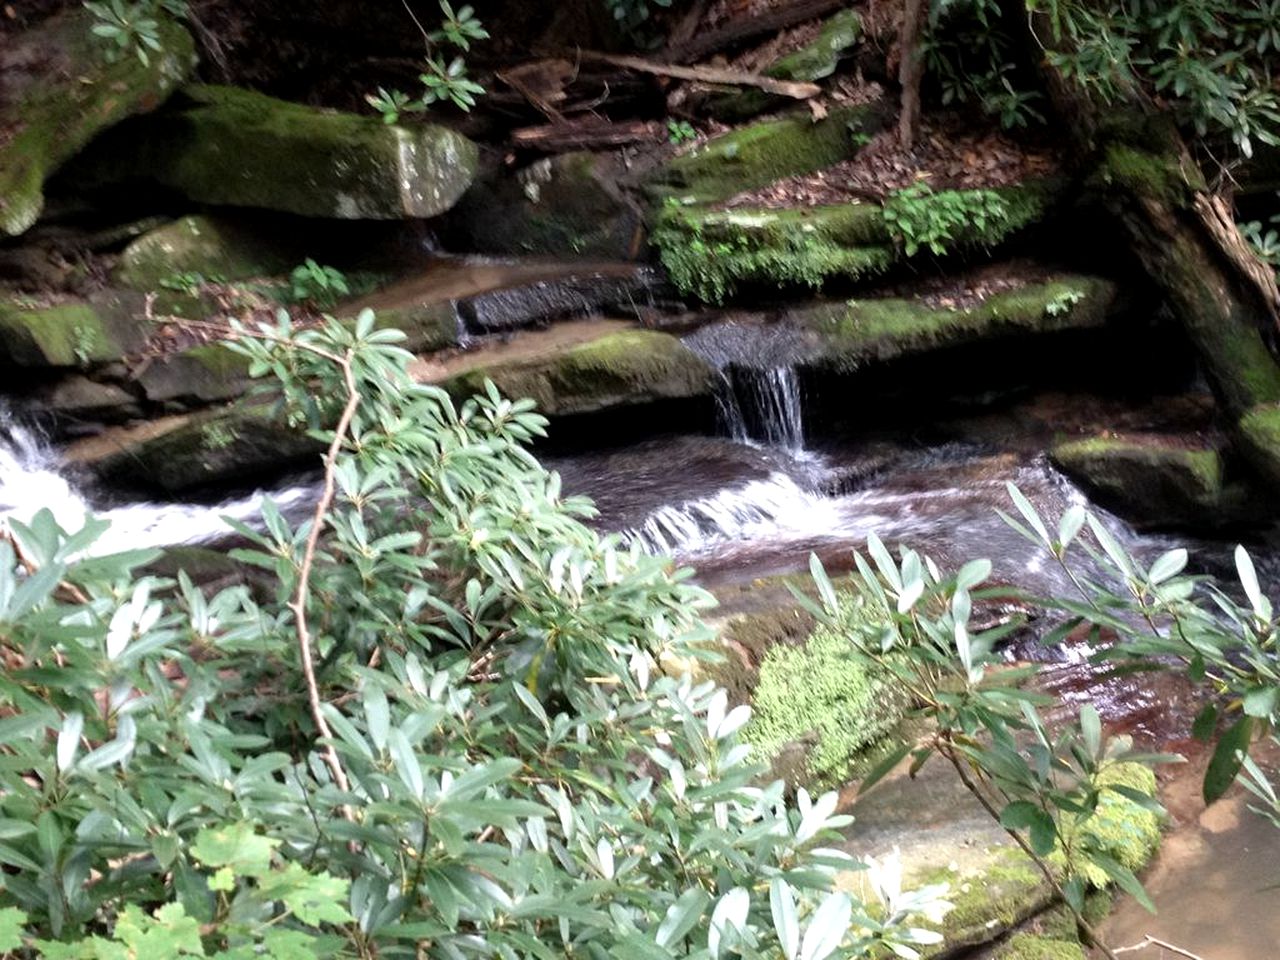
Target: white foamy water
<point>754,510</point>
<point>31,480</point>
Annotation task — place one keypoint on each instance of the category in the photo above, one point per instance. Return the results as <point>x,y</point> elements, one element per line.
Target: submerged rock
<point>108,326</point>
<point>620,369</point>
<point>60,91</point>
<point>224,145</point>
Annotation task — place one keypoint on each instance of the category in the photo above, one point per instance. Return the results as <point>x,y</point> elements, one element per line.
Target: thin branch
<point>299,603</point>
<point>1150,941</point>
<point>981,797</point>
<point>785,88</point>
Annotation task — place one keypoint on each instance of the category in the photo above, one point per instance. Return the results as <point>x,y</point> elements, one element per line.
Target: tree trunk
<point>1134,157</point>
<point>910,71</point>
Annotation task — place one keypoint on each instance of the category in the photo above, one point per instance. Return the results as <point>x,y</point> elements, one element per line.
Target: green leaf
<point>1091,729</point>
<point>1123,878</point>
<point>236,846</point>
<point>1168,565</point>
<point>12,923</point>
<point>1205,723</point>
<point>1261,702</point>
<point>681,917</point>
<point>1227,757</point>
<point>883,768</point>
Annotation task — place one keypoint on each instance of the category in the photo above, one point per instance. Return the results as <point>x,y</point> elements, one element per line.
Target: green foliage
<point>1044,789</point>
<point>189,282</point>
<point>132,26</point>
<point>633,15</point>
<point>680,131</point>
<point>819,688</point>
<point>1264,240</point>
<point>921,218</point>
<point>320,285</point>
<point>972,57</point>
<point>509,773</point>
<point>1063,303</point>
<point>444,79</point>
<point>1212,60</point>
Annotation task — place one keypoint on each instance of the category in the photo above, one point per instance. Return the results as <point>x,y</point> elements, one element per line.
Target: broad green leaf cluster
<point>524,780</point>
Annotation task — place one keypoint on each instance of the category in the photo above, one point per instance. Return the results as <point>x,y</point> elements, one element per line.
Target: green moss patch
<point>815,707</point>
<point>1029,946</point>
<point>1258,434</point>
<point>46,119</point>
<point>991,902</point>
<point>816,60</point>
<point>1151,480</point>
<point>224,145</point>
<point>214,248</point>
<point>1121,829</point>
<point>763,152</point>
<point>79,334</point>
<point>862,331</point>
<point>620,369</point>
<point>710,253</point>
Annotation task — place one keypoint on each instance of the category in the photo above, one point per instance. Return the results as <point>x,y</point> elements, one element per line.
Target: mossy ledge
<point>620,369</point>
<point>78,333</point>
<point>865,331</point>
<point>763,152</point>
<point>710,253</point>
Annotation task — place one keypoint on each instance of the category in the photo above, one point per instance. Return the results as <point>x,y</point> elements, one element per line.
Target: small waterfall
<point>759,394</point>
<point>31,480</point>
<point>752,510</point>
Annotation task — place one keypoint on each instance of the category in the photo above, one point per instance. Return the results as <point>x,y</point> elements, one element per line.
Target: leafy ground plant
<point>440,730</point>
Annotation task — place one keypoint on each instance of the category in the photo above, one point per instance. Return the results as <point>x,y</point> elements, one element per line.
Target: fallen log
<point>739,31</point>
<point>786,88</point>
<point>587,133</point>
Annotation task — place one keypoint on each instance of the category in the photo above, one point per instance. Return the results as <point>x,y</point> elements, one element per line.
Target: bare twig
<point>785,88</point>
<point>299,603</point>
<point>1150,941</point>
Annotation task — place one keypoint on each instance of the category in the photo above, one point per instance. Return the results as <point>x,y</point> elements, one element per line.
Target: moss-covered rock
<point>815,708</point>
<point>1030,946</point>
<point>763,152</point>
<point>864,331</point>
<point>816,60</point>
<point>215,248</point>
<point>194,450</point>
<point>427,327</point>
<point>990,902</point>
<point>49,113</point>
<point>203,374</point>
<point>76,397</point>
<point>710,252</point>
<point>1120,828</point>
<point>1151,480</point>
<point>1258,437</point>
<point>107,327</point>
<point>224,145</point>
<point>568,205</point>
<point>619,369</point>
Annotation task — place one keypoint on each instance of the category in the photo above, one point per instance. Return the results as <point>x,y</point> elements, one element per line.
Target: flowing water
<point>33,479</point>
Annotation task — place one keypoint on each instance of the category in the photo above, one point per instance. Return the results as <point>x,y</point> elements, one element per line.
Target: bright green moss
<point>819,694</point>
<point>1153,175</point>
<point>71,334</point>
<point>763,152</point>
<point>1259,434</point>
<point>1027,946</point>
<point>880,329</point>
<point>630,367</point>
<point>992,901</point>
<point>1120,828</point>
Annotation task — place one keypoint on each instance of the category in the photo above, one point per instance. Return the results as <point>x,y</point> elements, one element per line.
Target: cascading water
<point>31,480</point>
<point>751,510</point>
<point>759,396</point>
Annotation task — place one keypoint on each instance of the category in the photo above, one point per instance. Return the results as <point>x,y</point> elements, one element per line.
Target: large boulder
<point>568,205</point>
<point>619,369</point>
<point>215,248</point>
<point>59,91</point>
<point>182,452</point>
<point>1158,481</point>
<point>81,333</point>
<point>224,145</point>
